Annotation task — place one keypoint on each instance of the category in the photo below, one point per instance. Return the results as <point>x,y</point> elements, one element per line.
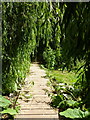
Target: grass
<point>65,77</point>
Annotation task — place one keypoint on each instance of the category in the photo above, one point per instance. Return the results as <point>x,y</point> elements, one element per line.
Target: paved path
<point>38,105</point>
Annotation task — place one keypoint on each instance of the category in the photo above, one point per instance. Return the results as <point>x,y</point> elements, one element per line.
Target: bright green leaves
<point>74,113</point>
<point>72,103</point>
<point>59,101</point>
<point>4,102</point>
<point>9,111</point>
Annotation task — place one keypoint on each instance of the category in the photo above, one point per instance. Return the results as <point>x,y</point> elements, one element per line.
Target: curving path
<point>36,106</point>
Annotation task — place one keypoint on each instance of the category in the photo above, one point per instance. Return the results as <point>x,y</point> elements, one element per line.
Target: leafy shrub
<point>4,103</point>
<point>75,113</point>
<point>9,111</point>
<point>5,106</point>
<point>63,97</point>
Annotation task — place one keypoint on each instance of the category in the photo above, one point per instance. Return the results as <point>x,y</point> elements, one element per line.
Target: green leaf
<point>4,102</point>
<point>9,111</point>
<point>73,113</point>
<point>56,100</point>
<point>72,103</point>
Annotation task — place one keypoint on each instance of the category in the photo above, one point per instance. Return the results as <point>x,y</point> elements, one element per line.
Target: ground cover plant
<point>8,107</point>
<point>65,96</point>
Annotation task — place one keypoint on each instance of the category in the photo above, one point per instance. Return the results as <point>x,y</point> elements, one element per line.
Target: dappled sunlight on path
<point>36,106</point>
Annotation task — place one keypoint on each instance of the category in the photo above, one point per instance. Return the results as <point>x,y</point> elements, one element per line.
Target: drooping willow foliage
<point>76,44</point>
<point>56,34</point>
<point>29,30</point>
<point>18,43</point>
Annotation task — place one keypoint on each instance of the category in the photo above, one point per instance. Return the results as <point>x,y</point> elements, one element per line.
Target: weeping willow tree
<point>49,34</point>
<point>56,34</point>
<point>75,44</point>
<point>30,30</point>
<point>18,43</point>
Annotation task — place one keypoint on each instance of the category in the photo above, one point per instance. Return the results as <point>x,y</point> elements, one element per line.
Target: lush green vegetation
<point>66,95</point>
<point>57,35</point>
<point>62,76</point>
<point>8,108</point>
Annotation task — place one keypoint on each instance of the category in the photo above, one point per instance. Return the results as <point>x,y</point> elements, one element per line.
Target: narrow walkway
<point>38,105</point>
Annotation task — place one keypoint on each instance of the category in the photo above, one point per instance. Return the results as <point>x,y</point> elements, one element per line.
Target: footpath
<point>33,100</point>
